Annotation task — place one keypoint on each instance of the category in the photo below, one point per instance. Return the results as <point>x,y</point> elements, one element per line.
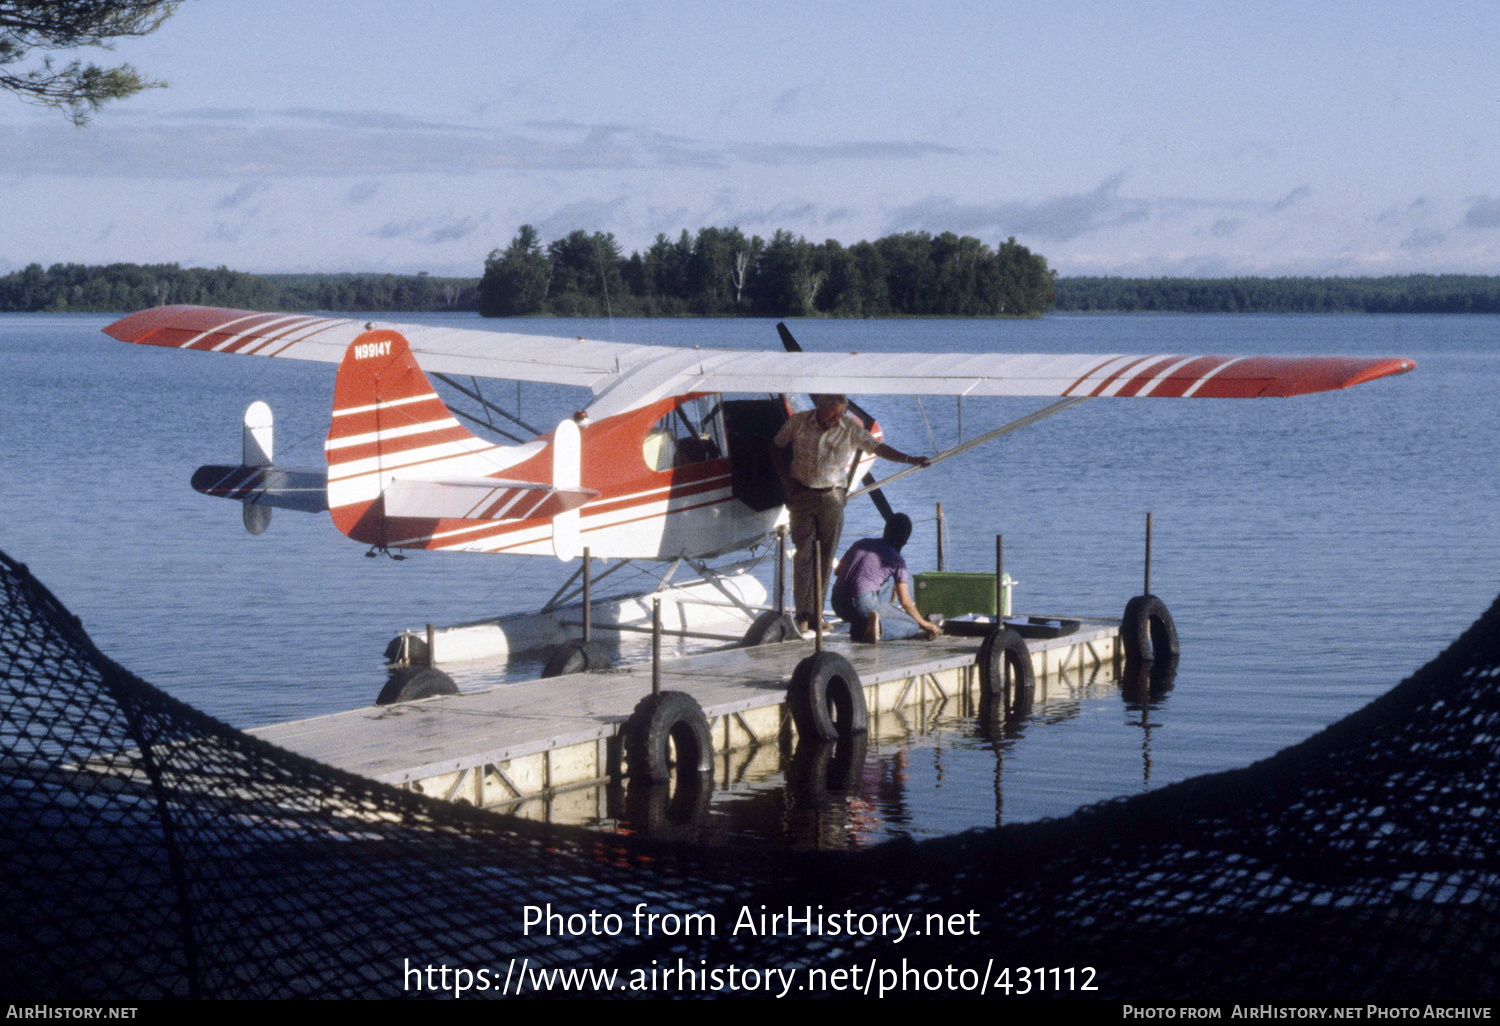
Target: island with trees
<point>723,272</point>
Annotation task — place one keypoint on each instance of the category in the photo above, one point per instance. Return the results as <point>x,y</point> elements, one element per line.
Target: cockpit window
<point>691,433</point>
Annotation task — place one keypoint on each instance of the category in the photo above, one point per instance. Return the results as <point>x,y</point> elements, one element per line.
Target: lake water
<point>1313,551</point>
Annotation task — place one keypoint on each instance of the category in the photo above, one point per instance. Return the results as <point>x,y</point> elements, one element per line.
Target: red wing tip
<point>142,324</point>
<point>1381,368</point>
<point>1305,375</point>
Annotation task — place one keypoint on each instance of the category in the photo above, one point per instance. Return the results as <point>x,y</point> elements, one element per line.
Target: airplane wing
<point>626,376</point>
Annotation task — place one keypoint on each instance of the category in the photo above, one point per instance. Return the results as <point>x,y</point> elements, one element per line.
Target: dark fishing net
<point>150,851</point>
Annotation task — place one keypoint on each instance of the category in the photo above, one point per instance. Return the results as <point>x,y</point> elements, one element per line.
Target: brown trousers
<point>814,515</point>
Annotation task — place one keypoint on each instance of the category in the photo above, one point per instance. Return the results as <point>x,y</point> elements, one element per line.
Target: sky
<point>1147,138</point>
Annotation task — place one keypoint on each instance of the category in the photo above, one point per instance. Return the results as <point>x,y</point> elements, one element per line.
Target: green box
<point>954,594</point>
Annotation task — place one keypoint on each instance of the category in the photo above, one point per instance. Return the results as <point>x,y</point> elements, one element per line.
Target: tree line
<point>121,288</point>
<point>679,278</point>
<point>1413,293</point>
<point>721,272</point>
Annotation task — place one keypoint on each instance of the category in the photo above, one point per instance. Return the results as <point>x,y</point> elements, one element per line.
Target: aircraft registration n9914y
<point>659,465</point>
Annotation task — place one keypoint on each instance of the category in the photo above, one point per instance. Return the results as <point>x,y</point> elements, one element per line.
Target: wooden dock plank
<point>420,739</point>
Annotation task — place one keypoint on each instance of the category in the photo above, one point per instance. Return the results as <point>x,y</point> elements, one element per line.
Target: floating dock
<point>543,747</point>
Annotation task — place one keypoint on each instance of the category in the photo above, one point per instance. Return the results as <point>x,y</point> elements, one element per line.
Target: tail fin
<point>388,422</point>
<point>395,452</point>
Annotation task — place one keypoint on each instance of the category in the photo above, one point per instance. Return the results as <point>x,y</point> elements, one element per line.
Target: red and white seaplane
<point>659,466</point>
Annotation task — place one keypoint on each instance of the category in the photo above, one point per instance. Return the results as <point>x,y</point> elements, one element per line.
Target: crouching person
<point>863,571</point>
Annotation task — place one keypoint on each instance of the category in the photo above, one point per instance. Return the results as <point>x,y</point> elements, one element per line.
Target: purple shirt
<point>868,564</point>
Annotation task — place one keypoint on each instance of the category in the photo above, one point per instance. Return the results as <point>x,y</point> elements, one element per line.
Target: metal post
<point>431,645</point>
<point>781,571</point>
<point>588,598</point>
<point>818,602</point>
<point>942,553</point>
<point>1148,554</point>
<point>999,573</point>
<point>656,646</point>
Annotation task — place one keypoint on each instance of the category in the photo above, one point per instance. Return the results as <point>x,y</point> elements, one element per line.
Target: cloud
<point>302,142</point>
<point>431,231</point>
<point>222,232</point>
<point>452,231</point>
<point>1422,238</point>
<point>786,214</point>
<point>1224,227</point>
<point>585,215</point>
<point>1292,198</point>
<point>1058,219</point>
<point>240,196</point>
<point>1483,212</point>
<point>361,193</point>
<point>1412,213</point>
<point>350,119</point>
<point>790,101</point>
<point>397,229</point>
<point>783,154</point>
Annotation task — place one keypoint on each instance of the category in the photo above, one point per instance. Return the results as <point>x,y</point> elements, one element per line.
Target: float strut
<point>588,598</point>
<point>656,646</point>
<point>999,577</point>
<point>818,590</point>
<point>942,553</point>
<point>1147,589</point>
<point>781,571</point>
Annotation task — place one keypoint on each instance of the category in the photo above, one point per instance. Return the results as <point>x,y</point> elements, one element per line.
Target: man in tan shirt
<point>824,443</point>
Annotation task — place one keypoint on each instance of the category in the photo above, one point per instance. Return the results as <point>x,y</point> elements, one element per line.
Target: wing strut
<point>487,405</point>
<point>962,447</point>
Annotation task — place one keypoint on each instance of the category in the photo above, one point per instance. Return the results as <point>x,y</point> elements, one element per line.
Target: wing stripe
<point>193,342</point>
<point>1209,376</point>
<point>1091,372</point>
<point>309,326</point>
<point>1128,385</point>
<point>1151,385</point>
<point>1111,384</point>
<point>315,327</point>
<point>239,338</point>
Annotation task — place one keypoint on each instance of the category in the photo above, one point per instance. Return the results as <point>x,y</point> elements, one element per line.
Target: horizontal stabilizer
<point>480,498</point>
<point>300,488</point>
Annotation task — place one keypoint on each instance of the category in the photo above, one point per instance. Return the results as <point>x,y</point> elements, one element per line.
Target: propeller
<point>876,495</point>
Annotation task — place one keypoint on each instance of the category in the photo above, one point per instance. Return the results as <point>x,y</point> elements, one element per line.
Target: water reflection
<point>931,768</point>
<point>671,811</point>
<point>1144,687</point>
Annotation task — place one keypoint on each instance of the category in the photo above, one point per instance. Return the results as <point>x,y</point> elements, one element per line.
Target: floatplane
<point>660,466</point>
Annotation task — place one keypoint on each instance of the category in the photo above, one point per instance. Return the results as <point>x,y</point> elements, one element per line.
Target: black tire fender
<point>1147,630</point>
<point>577,657</point>
<point>770,628</point>
<point>826,698</point>
<point>409,683</point>
<point>669,811</point>
<point>673,717</point>
<point>1004,649</point>
<point>1144,682</point>
<point>825,771</point>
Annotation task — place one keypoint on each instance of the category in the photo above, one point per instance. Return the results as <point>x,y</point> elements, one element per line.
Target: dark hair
<point>897,530</point>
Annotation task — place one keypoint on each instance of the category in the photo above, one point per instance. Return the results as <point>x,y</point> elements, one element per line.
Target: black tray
<point>1026,626</point>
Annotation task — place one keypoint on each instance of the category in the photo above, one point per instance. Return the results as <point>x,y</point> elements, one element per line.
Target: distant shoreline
<point>123,288</point>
